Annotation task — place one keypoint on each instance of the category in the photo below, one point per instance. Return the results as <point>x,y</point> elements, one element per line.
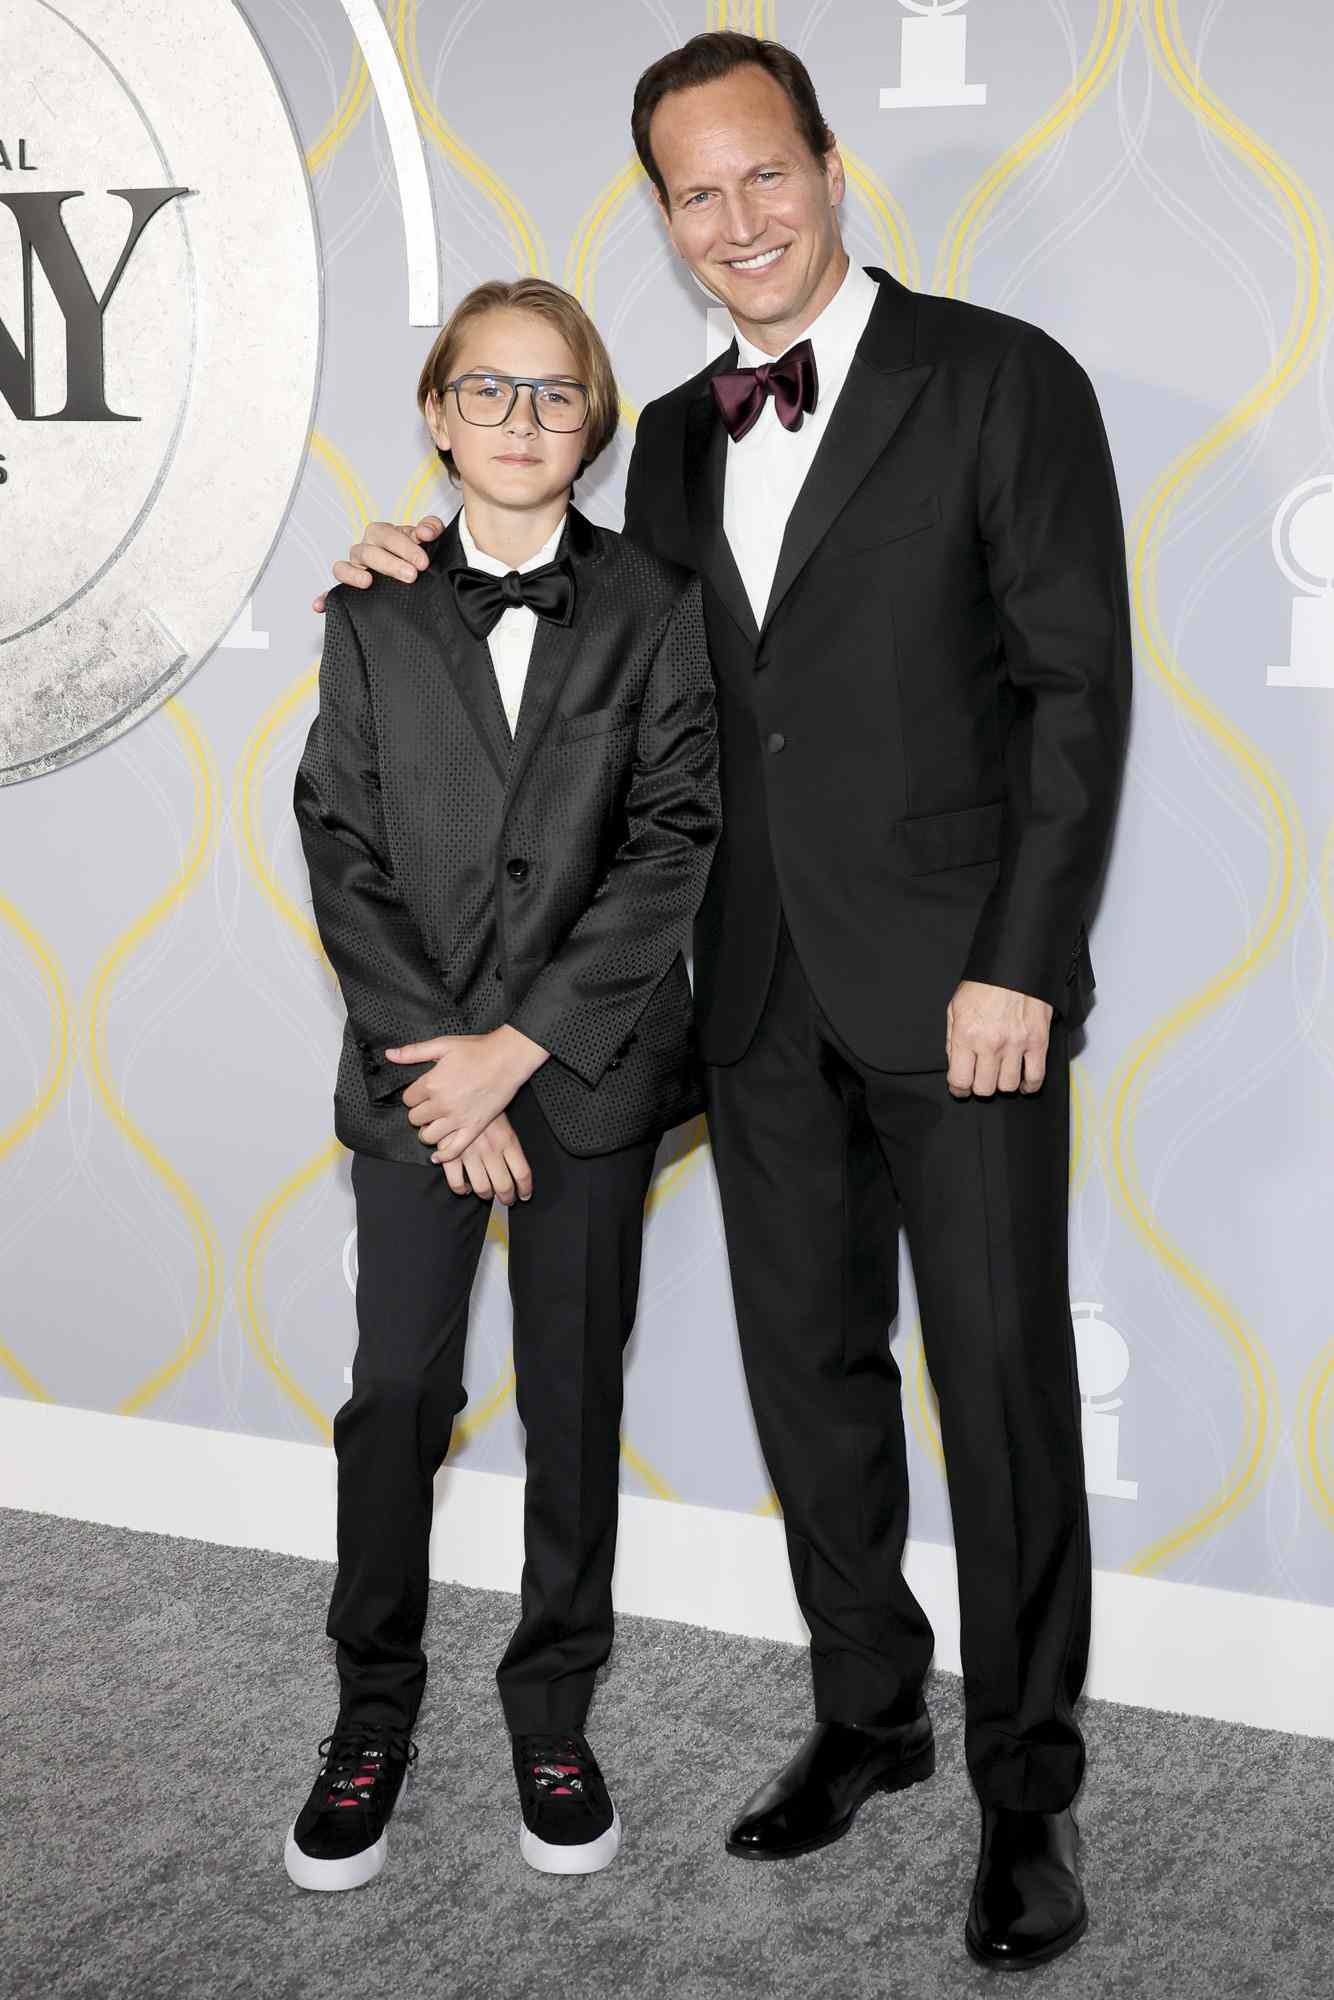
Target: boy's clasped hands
<point>459,1106</point>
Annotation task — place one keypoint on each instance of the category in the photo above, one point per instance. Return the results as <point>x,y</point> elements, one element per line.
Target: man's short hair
<point>560,309</point>
<point>707,59</point>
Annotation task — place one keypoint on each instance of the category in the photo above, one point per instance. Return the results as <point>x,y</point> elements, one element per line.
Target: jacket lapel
<point>705,470</point>
<point>881,387</point>
<point>555,646</point>
<point>468,659</point>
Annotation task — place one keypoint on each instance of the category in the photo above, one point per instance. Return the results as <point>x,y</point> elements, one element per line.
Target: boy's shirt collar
<point>492,565</point>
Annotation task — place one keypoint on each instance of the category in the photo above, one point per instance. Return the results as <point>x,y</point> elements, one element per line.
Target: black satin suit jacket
<point>921,744</point>
<point>461,880</point>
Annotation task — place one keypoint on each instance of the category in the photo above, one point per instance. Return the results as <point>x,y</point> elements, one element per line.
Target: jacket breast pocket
<point>962,839</point>
<point>596,720</point>
<point>909,519</point>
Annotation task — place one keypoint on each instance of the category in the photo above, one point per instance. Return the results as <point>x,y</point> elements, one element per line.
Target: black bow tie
<point>483,599</point>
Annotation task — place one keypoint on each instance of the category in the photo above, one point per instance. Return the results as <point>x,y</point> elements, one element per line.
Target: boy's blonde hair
<point>561,310</point>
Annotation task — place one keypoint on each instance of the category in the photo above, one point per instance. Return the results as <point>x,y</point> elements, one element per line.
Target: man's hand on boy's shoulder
<point>473,1079</point>
<point>495,1166</point>
<point>385,549</point>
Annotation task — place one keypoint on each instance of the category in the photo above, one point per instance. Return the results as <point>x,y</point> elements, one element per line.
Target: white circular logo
<point>159,354</point>
<point>1303,535</point>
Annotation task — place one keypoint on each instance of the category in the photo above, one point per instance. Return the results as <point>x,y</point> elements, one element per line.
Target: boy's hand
<point>474,1078</point>
<point>390,550</point>
<point>494,1166</point>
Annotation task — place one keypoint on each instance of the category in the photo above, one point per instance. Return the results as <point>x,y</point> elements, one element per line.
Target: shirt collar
<point>492,565</point>
<point>834,333</point>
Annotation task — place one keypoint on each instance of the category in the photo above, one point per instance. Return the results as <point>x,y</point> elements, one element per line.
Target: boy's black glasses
<point>558,405</point>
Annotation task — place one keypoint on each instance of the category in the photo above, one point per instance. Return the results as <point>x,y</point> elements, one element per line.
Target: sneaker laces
<point>557,1766</point>
<point>354,1760</point>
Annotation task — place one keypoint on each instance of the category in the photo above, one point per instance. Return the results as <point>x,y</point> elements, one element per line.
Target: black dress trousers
<point>817,1155</point>
<point>574,1260</point>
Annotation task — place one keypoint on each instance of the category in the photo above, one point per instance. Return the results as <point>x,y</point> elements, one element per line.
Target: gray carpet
<point>162,1701</point>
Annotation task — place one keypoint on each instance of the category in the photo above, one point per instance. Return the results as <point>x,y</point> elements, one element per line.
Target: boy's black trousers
<point>574,1258</point>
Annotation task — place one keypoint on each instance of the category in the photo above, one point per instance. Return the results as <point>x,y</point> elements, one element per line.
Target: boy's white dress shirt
<point>767,469</point>
<point>511,637</point>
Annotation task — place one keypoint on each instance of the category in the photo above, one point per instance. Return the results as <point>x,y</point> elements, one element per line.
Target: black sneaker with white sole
<point>337,1840</point>
<point>570,1826</point>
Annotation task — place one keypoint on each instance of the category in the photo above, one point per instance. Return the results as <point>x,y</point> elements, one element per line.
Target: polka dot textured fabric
<point>462,878</point>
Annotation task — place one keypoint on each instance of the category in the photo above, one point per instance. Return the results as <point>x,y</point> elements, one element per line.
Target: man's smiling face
<point>749,207</point>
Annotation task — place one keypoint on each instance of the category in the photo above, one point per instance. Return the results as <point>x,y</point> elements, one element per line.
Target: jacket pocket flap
<point>597,719</point>
<point>952,839</point>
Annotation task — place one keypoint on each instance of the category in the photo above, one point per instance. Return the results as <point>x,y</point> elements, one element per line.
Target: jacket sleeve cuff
<point>578,1044</point>
<point>1041,974</point>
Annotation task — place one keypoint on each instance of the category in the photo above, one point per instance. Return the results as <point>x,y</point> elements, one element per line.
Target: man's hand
<point>995,1039</point>
<point>388,550</point>
<point>494,1166</point>
<point>473,1080</point>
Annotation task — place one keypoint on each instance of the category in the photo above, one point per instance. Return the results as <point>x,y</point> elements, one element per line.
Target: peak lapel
<point>881,388</point>
<point>468,659</point>
<point>705,470</point>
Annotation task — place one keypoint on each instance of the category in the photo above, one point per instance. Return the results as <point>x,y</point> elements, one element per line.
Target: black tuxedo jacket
<point>461,879</point>
<point>920,746</point>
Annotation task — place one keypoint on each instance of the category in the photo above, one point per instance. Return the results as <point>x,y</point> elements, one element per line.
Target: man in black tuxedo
<point>905,519</point>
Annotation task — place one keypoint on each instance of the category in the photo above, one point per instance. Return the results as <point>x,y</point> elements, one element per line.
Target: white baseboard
<point>1175,1646</point>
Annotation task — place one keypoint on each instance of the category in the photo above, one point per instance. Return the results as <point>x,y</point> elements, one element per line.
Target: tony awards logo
<point>933,59</point>
<point>1303,544</point>
<point>1104,1362</point>
<point>159,340</point>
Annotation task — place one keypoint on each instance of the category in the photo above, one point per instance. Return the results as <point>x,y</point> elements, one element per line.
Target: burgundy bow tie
<point>791,381</point>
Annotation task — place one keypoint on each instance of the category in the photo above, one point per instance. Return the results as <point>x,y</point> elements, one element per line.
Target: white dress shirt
<point>511,637</point>
<point>766,470</point>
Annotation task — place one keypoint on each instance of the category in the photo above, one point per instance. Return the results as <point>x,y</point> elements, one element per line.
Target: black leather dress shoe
<point>816,1797</point>
<point>1028,1905</point>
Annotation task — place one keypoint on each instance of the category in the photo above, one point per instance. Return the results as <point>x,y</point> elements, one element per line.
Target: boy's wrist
<point>523,1056</point>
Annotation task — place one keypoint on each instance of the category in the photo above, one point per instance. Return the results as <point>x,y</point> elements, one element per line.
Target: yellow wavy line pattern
<point>208,1296</point>
<point>245,809</point>
<point>888,219</point>
<point>347,114</point>
<point>525,237</point>
<point>640,1466</point>
<point>1283,831</point>
<point>1315,1433</point>
<point>250,1271</point>
<point>1106,46</point>
<point>750,17</point>
<point>56,990</point>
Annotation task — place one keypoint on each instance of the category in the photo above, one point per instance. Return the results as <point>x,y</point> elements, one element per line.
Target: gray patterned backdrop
<point>1149,182</point>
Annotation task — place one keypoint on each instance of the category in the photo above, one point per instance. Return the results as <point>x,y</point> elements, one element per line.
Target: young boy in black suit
<point>508,804</point>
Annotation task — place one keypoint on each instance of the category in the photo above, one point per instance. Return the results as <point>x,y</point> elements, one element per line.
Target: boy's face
<point>743,185</point>
<point>516,464</point>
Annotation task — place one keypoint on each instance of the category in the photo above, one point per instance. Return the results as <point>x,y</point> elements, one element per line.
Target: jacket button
<point>773,744</point>
<point>615,1063</point>
<point>516,868</point>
